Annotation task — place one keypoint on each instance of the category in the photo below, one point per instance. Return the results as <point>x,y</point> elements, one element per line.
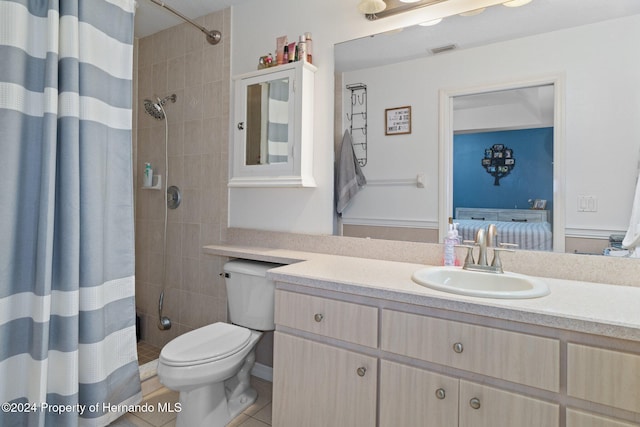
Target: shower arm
<point>213,36</point>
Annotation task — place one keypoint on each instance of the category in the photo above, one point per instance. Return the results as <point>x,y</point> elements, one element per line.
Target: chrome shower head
<point>154,108</point>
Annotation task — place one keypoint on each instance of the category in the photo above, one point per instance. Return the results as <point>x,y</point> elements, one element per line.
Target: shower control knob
<point>318,317</point>
<point>241,125</point>
<point>361,371</point>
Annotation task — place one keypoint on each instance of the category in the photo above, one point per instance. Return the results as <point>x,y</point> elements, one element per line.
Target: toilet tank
<point>250,294</point>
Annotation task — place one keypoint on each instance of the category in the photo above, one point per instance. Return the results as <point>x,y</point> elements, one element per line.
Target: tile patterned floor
<point>257,415</point>
<point>147,353</point>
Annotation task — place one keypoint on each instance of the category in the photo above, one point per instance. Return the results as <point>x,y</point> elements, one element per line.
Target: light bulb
<point>371,6</point>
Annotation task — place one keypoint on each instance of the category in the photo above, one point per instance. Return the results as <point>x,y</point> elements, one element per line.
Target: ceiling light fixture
<point>375,9</point>
<point>516,3</point>
<point>369,7</point>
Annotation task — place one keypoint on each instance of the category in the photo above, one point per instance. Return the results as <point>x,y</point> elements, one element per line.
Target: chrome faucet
<point>485,239</point>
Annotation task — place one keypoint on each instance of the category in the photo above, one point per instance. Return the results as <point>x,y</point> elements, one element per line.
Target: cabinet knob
<point>458,347</point>
<point>475,403</point>
<point>318,317</point>
<point>361,371</point>
<point>241,125</point>
<point>440,393</point>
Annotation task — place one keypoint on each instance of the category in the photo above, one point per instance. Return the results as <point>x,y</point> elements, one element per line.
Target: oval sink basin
<point>480,284</point>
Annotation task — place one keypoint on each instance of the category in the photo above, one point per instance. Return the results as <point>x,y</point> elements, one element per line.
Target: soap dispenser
<point>450,243</point>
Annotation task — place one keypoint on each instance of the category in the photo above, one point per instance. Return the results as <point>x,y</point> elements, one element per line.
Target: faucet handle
<point>469,246</point>
<point>497,262</point>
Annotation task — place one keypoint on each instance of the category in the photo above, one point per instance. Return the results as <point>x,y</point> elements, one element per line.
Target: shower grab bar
<point>213,36</point>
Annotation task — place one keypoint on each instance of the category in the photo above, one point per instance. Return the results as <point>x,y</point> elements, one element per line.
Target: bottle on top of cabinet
<point>302,48</point>
<point>309,45</point>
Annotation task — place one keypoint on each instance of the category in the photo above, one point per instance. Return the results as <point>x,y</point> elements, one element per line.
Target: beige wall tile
<point>178,60</point>
<point>176,73</point>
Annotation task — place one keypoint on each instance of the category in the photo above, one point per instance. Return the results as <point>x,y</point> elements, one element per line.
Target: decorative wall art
<point>498,161</point>
<point>397,121</point>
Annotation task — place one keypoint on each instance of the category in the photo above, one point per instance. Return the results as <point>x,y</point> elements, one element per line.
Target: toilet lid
<point>206,344</point>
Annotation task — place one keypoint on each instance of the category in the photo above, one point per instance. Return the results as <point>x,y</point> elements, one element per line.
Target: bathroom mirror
<point>267,123</point>
<point>593,57</point>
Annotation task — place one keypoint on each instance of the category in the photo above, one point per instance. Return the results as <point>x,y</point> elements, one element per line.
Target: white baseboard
<point>263,372</point>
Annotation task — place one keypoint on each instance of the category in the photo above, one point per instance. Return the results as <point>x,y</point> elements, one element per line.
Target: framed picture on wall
<point>539,204</point>
<point>397,121</point>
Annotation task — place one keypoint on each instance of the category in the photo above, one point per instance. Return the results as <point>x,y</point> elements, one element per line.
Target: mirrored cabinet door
<point>272,145</point>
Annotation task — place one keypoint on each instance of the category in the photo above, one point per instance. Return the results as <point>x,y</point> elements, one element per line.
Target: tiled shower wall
<point>179,60</point>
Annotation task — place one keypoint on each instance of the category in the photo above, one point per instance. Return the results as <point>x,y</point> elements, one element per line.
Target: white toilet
<point>211,366</point>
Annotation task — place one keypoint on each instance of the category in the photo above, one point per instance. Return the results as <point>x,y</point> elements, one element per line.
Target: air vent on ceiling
<point>441,49</point>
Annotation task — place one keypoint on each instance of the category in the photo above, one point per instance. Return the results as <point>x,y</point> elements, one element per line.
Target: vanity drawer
<point>603,376</point>
<point>345,321</point>
<point>512,356</point>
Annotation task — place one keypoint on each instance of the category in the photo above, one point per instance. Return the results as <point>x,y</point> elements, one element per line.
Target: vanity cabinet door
<point>583,419</point>
<point>415,397</point>
<point>604,376</point>
<point>520,358</point>
<point>316,384</point>
<point>482,406</point>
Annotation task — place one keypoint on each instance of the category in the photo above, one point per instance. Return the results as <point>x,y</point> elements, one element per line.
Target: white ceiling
<point>151,18</point>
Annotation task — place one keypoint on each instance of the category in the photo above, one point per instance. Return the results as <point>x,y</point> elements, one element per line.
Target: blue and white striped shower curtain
<point>67,309</point>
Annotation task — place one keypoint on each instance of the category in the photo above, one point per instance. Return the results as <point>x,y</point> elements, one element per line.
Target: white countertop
<point>600,309</point>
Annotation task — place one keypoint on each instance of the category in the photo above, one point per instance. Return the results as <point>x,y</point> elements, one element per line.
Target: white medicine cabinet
<point>273,130</point>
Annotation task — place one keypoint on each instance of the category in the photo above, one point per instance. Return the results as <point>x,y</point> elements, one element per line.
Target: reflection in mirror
<point>593,54</point>
<point>510,134</point>
<point>267,126</point>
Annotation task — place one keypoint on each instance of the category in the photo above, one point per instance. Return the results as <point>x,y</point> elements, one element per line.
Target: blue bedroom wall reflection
<point>531,178</point>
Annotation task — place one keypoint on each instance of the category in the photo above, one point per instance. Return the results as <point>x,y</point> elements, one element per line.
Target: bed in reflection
<point>536,236</point>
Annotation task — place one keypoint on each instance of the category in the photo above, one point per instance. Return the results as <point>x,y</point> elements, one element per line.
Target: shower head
<point>154,108</point>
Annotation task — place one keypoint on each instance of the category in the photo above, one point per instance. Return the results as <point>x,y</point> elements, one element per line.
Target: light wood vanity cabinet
<point>345,363</point>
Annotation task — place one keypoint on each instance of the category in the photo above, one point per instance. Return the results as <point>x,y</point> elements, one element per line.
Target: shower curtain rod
<point>213,36</point>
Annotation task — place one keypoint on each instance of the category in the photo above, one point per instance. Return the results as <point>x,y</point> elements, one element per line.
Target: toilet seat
<point>206,344</point>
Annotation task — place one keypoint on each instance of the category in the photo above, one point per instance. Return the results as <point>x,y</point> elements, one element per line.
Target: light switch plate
<point>587,204</point>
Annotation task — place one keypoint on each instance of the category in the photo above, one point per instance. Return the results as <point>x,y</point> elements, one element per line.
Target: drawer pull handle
<point>361,371</point>
<point>475,403</point>
<point>458,347</point>
<point>440,393</point>
<point>318,317</point>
